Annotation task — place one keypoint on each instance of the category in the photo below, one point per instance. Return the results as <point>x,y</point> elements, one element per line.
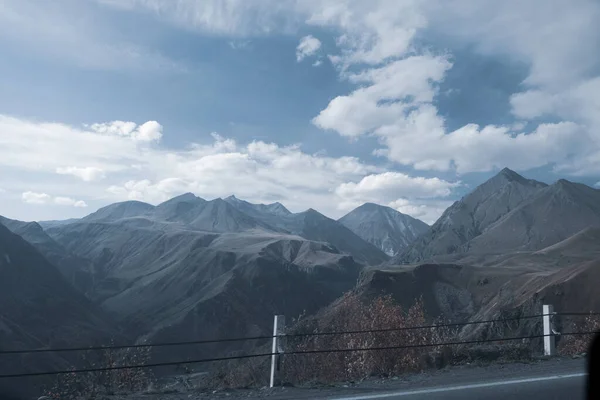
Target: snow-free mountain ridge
<point>387,229</point>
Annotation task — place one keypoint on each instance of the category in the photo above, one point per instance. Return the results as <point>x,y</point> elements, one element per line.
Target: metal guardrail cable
<point>410,328</point>
<point>347,350</point>
<point>577,314</point>
<point>241,339</point>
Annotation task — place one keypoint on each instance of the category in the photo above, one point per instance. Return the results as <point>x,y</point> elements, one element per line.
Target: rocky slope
<point>553,214</point>
<point>183,284</point>
<point>40,309</point>
<point>384,227</point>
<point>78,271</point>
<point>508,213</point>
<point>519,283</point>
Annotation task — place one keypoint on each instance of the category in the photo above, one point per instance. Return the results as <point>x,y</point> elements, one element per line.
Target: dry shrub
<point>94,385</point>
<point>577,344</point>
<point>245,373</point>
<point>351,313</point>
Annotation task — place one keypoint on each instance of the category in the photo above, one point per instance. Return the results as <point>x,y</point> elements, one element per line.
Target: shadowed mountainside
<point>40,309</point>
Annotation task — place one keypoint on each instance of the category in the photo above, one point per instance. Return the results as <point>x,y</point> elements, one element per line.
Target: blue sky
<point>322,104</point>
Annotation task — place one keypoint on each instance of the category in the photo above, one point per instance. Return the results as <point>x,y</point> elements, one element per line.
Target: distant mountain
<point>313,225</point>
<point>187,210</point>
<point>188,285</point>
<point>258,210</point>
<point>230,215</point>
<point>179,208</point>
<point>235,215</point>
<point>220,216</point>
<point>384,227</point>
<point>50,224</point>
<point>116,211</point>
<point>78,271</point>
<point>472,215</point>
<point>554,214</point>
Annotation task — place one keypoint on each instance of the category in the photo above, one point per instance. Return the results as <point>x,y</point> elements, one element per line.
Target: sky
<point>322,104</point>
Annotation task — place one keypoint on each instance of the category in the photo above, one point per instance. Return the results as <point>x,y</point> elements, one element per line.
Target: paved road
<point>560,378</point>
<point>554,387</point>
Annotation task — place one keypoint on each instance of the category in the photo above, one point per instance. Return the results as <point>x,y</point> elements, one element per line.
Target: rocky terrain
<point>193,269</point>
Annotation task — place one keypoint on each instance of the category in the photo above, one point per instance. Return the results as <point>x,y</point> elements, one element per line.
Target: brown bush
<point>248,373</point>
<point>92,385</point>
<point>577,344</point>
<point>351,313</point>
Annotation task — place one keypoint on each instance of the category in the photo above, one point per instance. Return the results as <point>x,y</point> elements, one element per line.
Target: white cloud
<point>47,147</point>
<point>427,211</point>
<point>150,131</point>
<point>389,186</point>
<point>86,174</point>
<point>523,32</point>
<point>67,201</point>
<point>257,171</point>
<point>419,139</point>
<point>44,198</point>
<point>377,38</point>
<point>414,196</point>
<point>370,32</point>
<point>35,198</point>
<point>382,101</point>
<point>394,101</point>
<point>309,45</point>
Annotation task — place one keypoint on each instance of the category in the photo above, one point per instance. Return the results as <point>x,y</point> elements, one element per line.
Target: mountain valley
<point>195,269</point>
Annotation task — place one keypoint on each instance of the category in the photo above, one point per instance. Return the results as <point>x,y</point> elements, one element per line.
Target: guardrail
<point>549,333</point>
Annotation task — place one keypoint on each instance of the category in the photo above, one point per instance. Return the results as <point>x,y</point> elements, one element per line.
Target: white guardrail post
<point>549,344</point>
<point>278,332</point>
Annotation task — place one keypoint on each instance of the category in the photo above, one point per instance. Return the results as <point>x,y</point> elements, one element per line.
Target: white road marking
<point>461,387</point>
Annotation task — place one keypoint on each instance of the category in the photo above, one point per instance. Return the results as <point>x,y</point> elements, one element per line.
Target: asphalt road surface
<point>553,379</point>
<point>553,387</point>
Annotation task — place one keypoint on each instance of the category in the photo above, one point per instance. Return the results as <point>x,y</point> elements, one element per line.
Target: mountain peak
<point>278,208</point>
<point>386,228</point>
<point>368,205</point>
<point>510,175</point>
<point>183,198</point>
<point>186,196</point>
<point>115,211</point>
<point>564,182</point>
<point>505,177</point>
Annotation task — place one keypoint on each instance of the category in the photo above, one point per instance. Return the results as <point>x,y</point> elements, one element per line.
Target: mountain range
<point>193,269</point>
<point>508,213</point>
